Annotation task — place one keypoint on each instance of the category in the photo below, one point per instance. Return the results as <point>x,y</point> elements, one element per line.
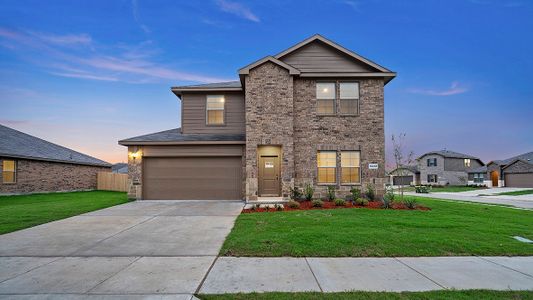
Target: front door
<point>494,176</point>
<point>269,176</point>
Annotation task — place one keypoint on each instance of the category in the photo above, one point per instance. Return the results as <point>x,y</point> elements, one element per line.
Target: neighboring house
<point>406,175</point>
<point>446,167</point>
<point>516,171</point>
<point>120,168</point>
<point>312,114</point>
<point>29,164</point>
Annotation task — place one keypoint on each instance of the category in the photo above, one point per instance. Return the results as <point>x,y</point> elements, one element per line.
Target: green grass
<point>517,193</point>
<point>449,229</point>
<point>451,295</point>
<point>23,211</point>
<point>455,189</point>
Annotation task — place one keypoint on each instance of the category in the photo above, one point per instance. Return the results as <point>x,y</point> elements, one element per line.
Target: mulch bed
<point>307,205</point>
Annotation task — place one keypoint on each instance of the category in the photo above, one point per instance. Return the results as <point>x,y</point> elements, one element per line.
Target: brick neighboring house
<point>516,171</point>
<point>441,168</point>
<point>29,164</point>
<point>312,114</point>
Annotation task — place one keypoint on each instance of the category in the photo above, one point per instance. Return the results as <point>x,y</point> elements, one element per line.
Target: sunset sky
<point>85,74</point>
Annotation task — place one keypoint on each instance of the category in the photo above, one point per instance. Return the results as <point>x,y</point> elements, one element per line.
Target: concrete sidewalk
<point>516,201</point>
<point>249,274</point>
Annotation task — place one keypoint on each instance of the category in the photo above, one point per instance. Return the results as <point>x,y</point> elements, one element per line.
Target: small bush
<point>410,203</point>
<point>356,193</point>
<point>370,192</point>
<point>349,198</point>
<point>331,193</point>
<point>308,192</point>
<point>340,202</point>
<point>296,194</point>
<point>422,189</point>
<point>293,204</point>
<point>388,198</point>
<point>278,207</point>
<point>361,201</point>
<point>317,203</point>
<point>256,207</point>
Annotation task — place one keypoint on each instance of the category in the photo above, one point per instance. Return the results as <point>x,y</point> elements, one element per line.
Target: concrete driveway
<point>135,249</point>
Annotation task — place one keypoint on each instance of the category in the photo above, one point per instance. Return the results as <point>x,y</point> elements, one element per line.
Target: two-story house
<point>446,167</point>
<point>311,114</point>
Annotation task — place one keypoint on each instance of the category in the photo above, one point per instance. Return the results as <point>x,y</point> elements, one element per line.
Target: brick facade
<point>41,176</point>
<point>281,110</point>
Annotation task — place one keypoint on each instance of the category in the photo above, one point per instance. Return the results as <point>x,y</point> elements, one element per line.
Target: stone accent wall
<point>364,132</point>
<point>41,176</point>
<point>269,121</point>
<point>135,173</point>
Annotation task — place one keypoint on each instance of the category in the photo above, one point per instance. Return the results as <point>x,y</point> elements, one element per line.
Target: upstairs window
<point>350,167</point>
<point>9,171</point>
<point>325,98</point>
<point>432,162</point>
<point>467,162</point>
<point>327,166</point>
<point>215,110</point>
<point>349,98</point>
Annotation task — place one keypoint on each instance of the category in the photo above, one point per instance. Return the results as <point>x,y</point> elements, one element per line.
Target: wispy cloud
<point>125,63</point>
<point>455,89</point>
<point>136,16</point>
<point>237,9</point>
<point>355,5</point>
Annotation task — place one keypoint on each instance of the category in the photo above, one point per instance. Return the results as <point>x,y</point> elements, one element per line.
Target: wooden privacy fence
<point>112,181</point>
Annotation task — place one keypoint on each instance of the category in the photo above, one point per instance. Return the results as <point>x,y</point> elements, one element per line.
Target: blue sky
<point>85,74</point>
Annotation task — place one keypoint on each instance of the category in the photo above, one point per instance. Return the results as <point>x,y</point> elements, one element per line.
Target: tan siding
<point>185,150</point>
<point>193,114</point>
<point>317,57</point>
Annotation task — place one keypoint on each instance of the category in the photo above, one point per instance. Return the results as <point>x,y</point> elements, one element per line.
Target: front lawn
<point>23,211</point>
<point>517,193</point>
<point>455,189</point>
<point>449,229</point>
<point>452,295</point>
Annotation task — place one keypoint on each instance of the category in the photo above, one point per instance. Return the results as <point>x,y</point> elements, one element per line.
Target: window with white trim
<point>325,98</point>
<point>349,98</point>
<point>327,166</point>
<point>215,110</point>
<point>350,167</point>
<point>9,171</point>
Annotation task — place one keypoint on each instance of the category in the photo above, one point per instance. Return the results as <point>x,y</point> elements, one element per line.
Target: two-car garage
<point>192,172</point>
<point>524,180</point>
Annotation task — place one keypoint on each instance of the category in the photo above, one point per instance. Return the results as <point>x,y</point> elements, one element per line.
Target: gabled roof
<point>527,157</point>
<point>227,86</point>
<point>412,168</point>
<point>318,37</point>
<point>174,136</point>
<point>530,162</point>
<point>246,70</point>
<point>481,169</point>
<point>450,154</point>
<point>16,144</point>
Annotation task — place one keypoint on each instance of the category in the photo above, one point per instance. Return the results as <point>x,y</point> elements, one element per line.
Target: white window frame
<point>333,166</point>
<point>341,99</point>
<point>334,99</point>
<point>207,109</point>
<point>350,166</point>
<point>14,171</point>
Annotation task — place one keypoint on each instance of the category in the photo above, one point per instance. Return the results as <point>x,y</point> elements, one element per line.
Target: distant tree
<point>401,159</point>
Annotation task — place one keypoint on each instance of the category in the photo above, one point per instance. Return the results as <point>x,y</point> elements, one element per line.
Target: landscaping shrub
<point>296,194</point>
<point>370,192</point>
<point>340,202</point>
<point>308,192</point>
<point>317,203</point>
<point>356,193</point>
<point>361,201</point>
<point>293,204</point>
<point>331,193</point>
<point>410,203</point>
<point>388,198</point>
<point>422,189</point>
<point>349,198</point>
<point>278,207</point>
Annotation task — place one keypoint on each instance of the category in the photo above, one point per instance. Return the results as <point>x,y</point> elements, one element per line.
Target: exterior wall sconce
<point>135,153</point>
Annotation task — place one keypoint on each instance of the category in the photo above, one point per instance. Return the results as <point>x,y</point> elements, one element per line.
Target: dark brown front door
<point>269,176</point>
<point>494,177</point>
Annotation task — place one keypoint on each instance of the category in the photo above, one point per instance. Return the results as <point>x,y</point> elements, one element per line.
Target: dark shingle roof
<point>215,85</point>
<point>14,143</point>
<point>175,135</point>
<point>481,169</point>
<point>450,154</point>
<point>527,157</point>
<point>412,168</point>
